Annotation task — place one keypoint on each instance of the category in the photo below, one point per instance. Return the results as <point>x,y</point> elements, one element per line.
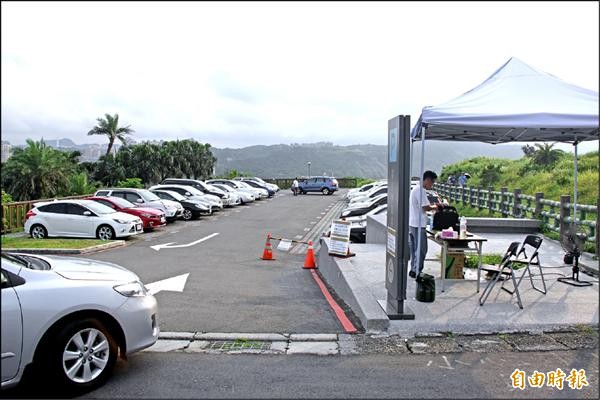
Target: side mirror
<point>87,213</point>
<point>139,201</point>
<point>188,194</point>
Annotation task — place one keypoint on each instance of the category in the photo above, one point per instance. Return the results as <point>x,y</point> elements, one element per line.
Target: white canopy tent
<point>517,103</point>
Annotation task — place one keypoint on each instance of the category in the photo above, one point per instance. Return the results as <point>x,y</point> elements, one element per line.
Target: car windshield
<point>99,208</point>
<point>122,202</point>
<point>175,195</point>
<point>26,261</point>
<point>194,191</point>
<point>148,195</point>
<point>224,187</point>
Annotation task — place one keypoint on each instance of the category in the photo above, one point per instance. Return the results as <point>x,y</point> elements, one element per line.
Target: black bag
<point>445,218</point>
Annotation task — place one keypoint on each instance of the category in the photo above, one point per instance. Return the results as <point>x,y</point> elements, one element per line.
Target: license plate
<point>162,219</point>
<point>138,227</point>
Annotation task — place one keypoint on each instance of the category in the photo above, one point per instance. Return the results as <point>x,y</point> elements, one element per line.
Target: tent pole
<point>418,255</point>
<point>575,188</point>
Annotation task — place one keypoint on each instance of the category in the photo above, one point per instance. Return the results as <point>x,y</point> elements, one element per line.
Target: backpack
<point>445,218</point>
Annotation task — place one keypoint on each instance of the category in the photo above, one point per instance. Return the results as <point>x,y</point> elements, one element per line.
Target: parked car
<point>72,317</point>
<point>145,198</point>
<point>198,185</point>
<point>376,191</point>
<point>192,209</point>
<point>364,188</point>
<point>79,218</point>
<point>257,185</point>
<point>193,194</point>
<point>270,186</point>
<point>151,217</point>
<point>241,187</point>
<point>229,200</point>
<point>324,184</point>
<point>235,195</point>
<point>358,228</point>
<point>363,208</point>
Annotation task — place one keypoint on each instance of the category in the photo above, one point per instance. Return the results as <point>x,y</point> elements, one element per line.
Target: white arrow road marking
<point>167,245</point>
<point>174,284</point>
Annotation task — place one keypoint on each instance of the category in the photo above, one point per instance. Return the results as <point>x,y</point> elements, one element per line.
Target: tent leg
<point>421,178</point>
<point>575,189</point>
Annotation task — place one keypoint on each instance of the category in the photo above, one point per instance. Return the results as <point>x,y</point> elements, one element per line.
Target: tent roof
<point>516,104</point>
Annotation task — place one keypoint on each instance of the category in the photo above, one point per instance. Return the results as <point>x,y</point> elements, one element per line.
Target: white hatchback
<point>71,318</point>
<point>80,218</point>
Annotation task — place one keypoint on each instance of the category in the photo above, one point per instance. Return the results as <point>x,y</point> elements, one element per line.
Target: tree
<point>79,184</point>
<point>109,126</point>
<point>528,150</point>
<point>37,171</point>
<point>545,155</point>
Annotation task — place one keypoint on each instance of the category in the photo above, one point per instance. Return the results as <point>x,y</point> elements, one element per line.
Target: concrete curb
<point>567,338</point>
<point>341,276</point>
<point>85,250</point>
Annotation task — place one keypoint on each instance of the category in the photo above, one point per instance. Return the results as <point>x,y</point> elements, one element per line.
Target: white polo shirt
<point>416,207</point>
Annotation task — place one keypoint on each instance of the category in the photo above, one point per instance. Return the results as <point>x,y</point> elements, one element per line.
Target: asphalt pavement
<point>229,288</point>
<point>454,376</point>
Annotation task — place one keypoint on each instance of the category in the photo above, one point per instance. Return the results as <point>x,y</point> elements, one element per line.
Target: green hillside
<point>531,176</point>
<point>367,160</point>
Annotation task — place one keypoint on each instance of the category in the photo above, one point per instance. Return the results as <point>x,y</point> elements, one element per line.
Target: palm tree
<point>109,126</point>
<point>545,155</point>
<point>37,171</point>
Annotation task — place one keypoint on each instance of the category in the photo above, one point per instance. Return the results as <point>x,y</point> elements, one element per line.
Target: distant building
<point>6,150</point>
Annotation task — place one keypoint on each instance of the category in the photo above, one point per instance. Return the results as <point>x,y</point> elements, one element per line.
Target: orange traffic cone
<point>309,261</point>
<point>268,252</point>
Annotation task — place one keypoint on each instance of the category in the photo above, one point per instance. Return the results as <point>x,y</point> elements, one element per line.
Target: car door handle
<point>8,355</point>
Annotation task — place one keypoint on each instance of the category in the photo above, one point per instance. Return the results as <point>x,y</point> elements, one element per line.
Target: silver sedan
<point>71,317</point>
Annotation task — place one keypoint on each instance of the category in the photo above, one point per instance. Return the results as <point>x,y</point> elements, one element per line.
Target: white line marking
<point>306,229</point>
<point>461,362</point>
<point>174,284</point>
<point>167,245</point>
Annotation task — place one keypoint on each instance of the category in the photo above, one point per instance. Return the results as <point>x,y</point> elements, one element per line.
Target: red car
<point>151,217</point>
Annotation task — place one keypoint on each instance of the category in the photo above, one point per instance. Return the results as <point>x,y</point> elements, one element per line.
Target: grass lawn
<point>25,242</point>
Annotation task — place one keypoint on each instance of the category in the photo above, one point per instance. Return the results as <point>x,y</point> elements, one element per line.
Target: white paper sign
<point>339,241</point>
<point>284,245</point>
<point>391,241</point>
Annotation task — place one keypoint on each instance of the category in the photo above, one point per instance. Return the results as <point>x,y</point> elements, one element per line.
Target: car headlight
<point>131,289</point>
<point>200,206</point>
<point>120,221</point>
<point>146,215</point>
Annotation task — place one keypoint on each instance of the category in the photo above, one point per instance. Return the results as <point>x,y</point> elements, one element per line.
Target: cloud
<point>266,73</point>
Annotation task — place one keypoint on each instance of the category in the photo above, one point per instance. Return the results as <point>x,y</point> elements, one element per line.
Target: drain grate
<point>238,345</point>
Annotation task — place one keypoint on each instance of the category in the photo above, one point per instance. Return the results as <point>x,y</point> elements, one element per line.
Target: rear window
<point>56,208</point>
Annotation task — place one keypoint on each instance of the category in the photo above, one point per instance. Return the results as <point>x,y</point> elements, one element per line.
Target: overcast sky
<point>238,74</point>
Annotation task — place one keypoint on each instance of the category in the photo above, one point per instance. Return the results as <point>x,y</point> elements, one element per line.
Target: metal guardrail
<point>554,215</point>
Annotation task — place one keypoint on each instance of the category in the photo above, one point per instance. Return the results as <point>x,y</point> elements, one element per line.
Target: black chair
<point>531,243</point>
<point>505,270</point>
<point>512,262</point>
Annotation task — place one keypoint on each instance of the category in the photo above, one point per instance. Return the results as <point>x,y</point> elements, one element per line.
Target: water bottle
<point>463,227</point>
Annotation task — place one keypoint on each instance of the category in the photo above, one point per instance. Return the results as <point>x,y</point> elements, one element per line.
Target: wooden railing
<point>554,215</point>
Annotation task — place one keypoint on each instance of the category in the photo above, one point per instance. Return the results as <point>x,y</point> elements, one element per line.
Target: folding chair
<point>531,243</point>
<point>503,269</point>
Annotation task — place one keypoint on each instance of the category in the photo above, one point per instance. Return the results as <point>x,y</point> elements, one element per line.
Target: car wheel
<point>38,232</point>
<point>187,214</point>
<point>325,191</point>
<point>105,232</point>
<point>82,355</point>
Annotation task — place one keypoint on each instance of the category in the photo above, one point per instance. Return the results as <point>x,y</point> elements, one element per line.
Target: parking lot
<point>229,288</point>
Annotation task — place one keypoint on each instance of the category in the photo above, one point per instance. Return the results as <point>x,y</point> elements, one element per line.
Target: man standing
<point>295,187</point>
<point>462,180</point>
<point>417,216</point>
